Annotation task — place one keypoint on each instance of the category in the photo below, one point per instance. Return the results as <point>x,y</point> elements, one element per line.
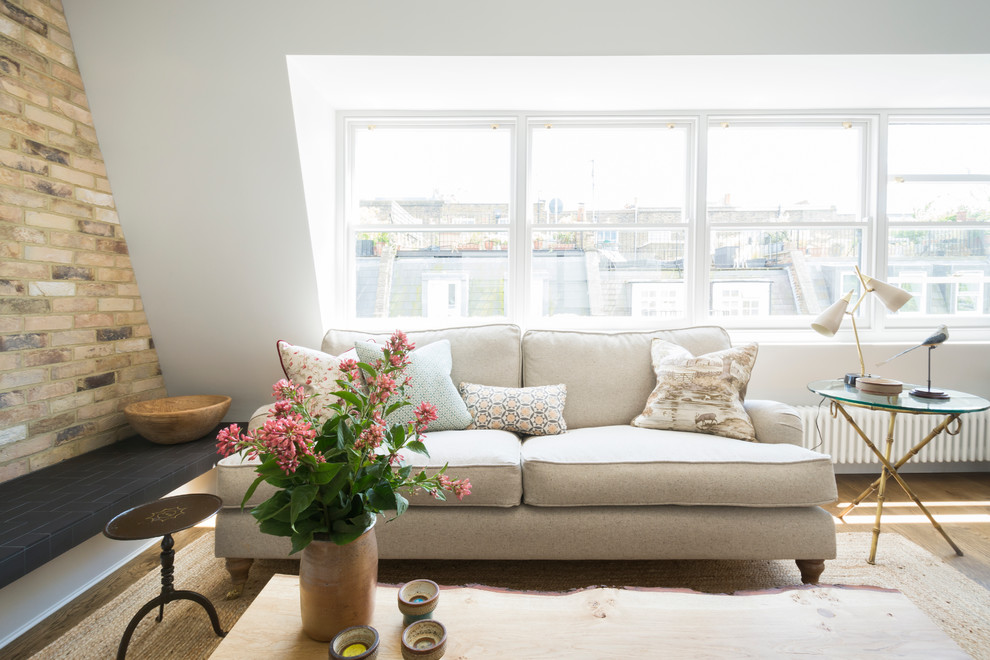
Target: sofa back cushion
<point>485,354</point>
<point>609,375</point>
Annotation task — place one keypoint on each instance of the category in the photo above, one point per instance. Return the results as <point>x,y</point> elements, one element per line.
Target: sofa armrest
<point>259,416</point>
<point>775,422</point>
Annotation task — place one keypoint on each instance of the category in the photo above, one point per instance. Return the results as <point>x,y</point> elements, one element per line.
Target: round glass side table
<point>952,406</point>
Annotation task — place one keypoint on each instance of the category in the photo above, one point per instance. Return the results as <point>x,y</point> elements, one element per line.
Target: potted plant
<point>334,476</point>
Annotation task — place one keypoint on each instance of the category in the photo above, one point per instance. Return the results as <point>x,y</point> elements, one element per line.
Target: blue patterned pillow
<point>429,374</point>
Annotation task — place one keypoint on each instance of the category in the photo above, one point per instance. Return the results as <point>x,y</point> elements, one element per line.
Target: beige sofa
<point>602,490</point>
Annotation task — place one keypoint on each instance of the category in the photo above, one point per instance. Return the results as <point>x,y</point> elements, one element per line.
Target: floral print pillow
<point>316,371</point>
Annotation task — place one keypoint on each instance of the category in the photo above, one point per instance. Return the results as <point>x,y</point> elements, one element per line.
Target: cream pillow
<point>316,371</point>
<point>700,394</point>
<point>526,410</point>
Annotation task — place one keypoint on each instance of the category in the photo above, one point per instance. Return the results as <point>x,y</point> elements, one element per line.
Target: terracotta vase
<point>337,585</point>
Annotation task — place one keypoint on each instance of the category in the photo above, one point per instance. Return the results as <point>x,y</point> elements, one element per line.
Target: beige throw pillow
<point>700,394</point>
<point>526,410</point>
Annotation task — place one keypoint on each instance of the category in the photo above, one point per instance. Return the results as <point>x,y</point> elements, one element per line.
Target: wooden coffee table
<point>620,623</point>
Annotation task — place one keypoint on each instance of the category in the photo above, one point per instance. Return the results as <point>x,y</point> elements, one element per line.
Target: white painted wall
<point>191,101</point>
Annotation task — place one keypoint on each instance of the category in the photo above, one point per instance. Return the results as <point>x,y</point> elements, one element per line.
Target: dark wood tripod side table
<point>163,518</point>
<point>952,406</point>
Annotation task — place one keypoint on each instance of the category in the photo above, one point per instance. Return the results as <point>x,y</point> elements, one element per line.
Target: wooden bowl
<point>177,419</point>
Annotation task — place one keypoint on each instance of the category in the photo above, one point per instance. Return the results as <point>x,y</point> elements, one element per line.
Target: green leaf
<point>271,507</point>
<point>349,397</point>
<point>418,447</point>
<point>325,472</point>
<point>250,491</point>
<point>381,497</point>
<point>401,504</point>
<point>275,528</point>
<point>302,497</point>
<point>300,541</point>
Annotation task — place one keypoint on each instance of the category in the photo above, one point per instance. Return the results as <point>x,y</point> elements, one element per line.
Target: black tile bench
<point>49,511</point>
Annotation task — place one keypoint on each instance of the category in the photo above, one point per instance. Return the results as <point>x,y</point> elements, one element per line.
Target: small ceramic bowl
<point>417,600</point>
<point>355,643</point>
<point>424,640</point>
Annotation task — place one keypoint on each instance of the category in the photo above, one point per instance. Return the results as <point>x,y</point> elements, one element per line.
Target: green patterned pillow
<point>526,410</point>
<point>429,375</point>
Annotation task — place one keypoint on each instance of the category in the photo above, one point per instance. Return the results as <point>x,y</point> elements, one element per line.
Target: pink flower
<point>349,367</point>
<point>287,438</point>
<point>425,413</point>
<point>229,440</point>
<point>370,438</point>
<point>399,343</point>
<point>285,389</point>
<point>383,388</point>
<point>461,487</point>
<point>282,408</point>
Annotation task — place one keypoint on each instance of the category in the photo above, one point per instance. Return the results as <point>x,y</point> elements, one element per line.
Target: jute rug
<point>955,603</point>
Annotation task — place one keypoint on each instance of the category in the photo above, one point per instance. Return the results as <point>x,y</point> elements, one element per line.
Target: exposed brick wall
<point>75,346</point>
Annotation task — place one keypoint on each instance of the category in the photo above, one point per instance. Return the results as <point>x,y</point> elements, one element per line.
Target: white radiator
<point>839,440</point>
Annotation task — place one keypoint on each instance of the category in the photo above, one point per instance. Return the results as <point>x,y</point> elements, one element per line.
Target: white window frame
<point>867,211</point>
<point>957,320</point>
<point>874,322</point>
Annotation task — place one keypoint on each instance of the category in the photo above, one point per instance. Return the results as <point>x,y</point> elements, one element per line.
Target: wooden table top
<point>165,516</point>
<point>620,623</point>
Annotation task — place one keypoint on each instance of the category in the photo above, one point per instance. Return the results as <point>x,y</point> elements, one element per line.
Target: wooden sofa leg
<point>238,567</point>
<point>811,569</point>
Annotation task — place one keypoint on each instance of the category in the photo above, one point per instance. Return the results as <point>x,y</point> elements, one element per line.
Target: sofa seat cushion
<point>490,459</point>
<point>626,465</point>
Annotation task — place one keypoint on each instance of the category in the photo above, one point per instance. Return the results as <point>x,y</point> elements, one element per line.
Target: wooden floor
<point>960,502</point>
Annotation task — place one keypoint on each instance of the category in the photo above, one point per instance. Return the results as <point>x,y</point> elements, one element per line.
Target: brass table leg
<point>904,459</point>
<point>882,492</point>
<point>892,471</point>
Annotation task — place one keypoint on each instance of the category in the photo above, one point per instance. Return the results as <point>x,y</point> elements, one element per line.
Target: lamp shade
<point>893,298</point>
<point>828,322</point>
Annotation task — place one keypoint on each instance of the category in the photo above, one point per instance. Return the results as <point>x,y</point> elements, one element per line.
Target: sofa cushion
<point>626,465</point>
<point>428,375</point>
<point>699,393</point>
<point>526,410</point>
<point>608,374</point>
<point>490,459</point>
<point>498,343</point>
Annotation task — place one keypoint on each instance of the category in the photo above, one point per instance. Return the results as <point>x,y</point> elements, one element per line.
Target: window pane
<point>782,272</point>
<point>431,274</point>
<point>947,270</point>
<point>603,175</point>
<point>433,176</point>
<point>810,173</point>
<point>611,273</point>
<point>938,149</point>
<point>926,201</point>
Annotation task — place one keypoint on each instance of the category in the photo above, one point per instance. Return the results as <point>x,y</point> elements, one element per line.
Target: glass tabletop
<point>958,402</point>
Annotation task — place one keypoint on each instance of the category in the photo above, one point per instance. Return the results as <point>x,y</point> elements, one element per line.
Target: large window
<point>938,214</point>
<point>608,210</point>
<point>429,212</point>
<point>742,220</point>
<point>786,214</point>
